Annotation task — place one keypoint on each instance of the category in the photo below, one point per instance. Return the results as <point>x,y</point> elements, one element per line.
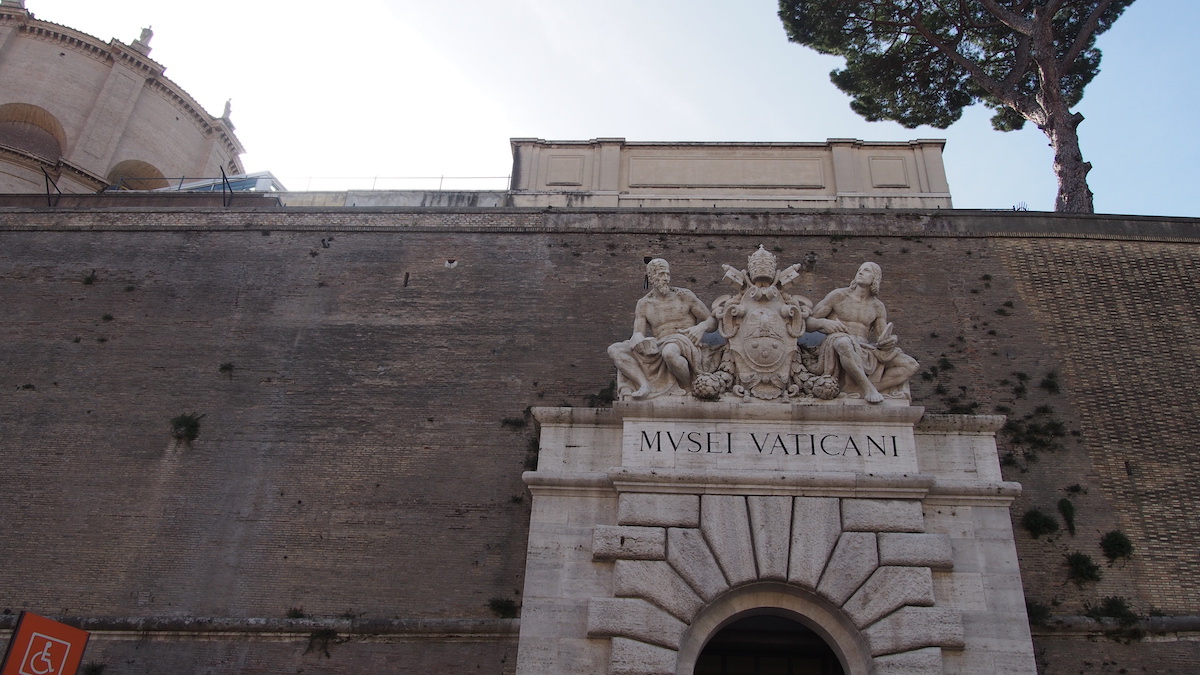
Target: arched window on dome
<point>134,174</point>
<point>31,130</point>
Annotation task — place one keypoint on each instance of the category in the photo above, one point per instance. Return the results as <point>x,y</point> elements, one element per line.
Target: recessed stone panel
<point>564,170</point>
<point>888,172</point>
<point>725,172</point>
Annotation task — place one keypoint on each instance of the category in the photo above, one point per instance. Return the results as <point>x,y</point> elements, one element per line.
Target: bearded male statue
<point>662,355</point>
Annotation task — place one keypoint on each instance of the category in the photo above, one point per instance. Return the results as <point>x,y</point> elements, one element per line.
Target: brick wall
<point>355,459</point>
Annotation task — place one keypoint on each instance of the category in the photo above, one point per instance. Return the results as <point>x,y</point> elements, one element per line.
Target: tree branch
<point>1017,22</point>
<point>977,73</point>
<point>1086,32</point>
<point>1022,57</point>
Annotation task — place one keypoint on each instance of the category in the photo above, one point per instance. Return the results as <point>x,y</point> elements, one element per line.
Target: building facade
<point>84,115</point>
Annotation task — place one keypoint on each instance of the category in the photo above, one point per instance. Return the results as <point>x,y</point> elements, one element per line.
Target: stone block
<point>960,590</point>
<point>689,554</point>
<point>725,523</point>
<point>1004,593</point>
<point>816,526</point>
<point>633,618</point>
<point>927,661</point>
<point>658,510</point>
<point>610,542</point>
<point>657,582</point>
<point>771,525</point>
<point>910,628</point>
<point>882,515</point>
<point>630,657</point>
<point>889,589</point>
<point>854,559</point>
<point>916,550</point>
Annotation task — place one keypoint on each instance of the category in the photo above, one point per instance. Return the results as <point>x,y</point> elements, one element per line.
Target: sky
<point>374,93</point>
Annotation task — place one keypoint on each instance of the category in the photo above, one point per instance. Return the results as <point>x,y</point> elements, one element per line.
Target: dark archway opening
<point>767,645</point>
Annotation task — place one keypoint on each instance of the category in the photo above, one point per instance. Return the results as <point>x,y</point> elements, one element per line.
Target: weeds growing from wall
<point>1116,546</point>
<point>1082,569</point>
<point>186,427</point>
<point>1037,523</point>
<point>1067,509</point>
<point>505,608</point>
<point>603,398</point>
<point>1112,607</point>
<point>318,641</point>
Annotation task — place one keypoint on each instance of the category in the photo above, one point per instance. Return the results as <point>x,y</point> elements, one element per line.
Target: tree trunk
<point>1059,124</point>
<point>1074,195</point>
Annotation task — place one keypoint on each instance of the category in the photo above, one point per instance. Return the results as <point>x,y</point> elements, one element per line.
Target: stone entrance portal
<point>880,529</point>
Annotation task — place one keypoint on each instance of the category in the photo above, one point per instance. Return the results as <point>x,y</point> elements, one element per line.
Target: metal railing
<point>328,183</point>
<point>432,183</point>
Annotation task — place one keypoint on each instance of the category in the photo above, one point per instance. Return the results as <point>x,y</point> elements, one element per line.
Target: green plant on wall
<point>1116,546</point>
<point>505,608</point>
<point>603,398</point>
<point>1067,508</point>
<point>1082,569</point>
<point>318,641</point>
<point>1037,523</point>
<point>1112,607</point>
<point>186,427</point>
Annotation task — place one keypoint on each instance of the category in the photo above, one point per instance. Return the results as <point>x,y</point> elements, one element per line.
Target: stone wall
<point>363,455</point>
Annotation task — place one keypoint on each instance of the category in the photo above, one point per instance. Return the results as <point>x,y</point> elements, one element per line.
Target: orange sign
<point>40,646</point>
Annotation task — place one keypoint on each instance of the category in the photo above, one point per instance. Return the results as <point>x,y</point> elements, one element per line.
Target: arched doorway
<point>767,644</point>
<point>763,616</point>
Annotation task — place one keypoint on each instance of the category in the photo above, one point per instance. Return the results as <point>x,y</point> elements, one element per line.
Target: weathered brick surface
<point>356,461</point>
<point>397,655</point>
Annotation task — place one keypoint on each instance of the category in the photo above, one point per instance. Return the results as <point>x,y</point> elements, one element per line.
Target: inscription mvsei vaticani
<point>769,443</point>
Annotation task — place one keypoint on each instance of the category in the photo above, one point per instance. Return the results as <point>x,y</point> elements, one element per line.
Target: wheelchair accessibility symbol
<point>42,646</point>
<point>45,656</point>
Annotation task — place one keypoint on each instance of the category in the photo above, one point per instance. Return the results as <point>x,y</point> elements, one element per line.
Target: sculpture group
<point>754,343</point>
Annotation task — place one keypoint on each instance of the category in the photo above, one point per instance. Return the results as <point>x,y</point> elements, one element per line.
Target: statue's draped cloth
<point>873,359</point>
<point>655,367</point>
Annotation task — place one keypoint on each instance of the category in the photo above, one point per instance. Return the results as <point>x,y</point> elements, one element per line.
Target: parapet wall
<point>363,376</point>
<point>839,173</point>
